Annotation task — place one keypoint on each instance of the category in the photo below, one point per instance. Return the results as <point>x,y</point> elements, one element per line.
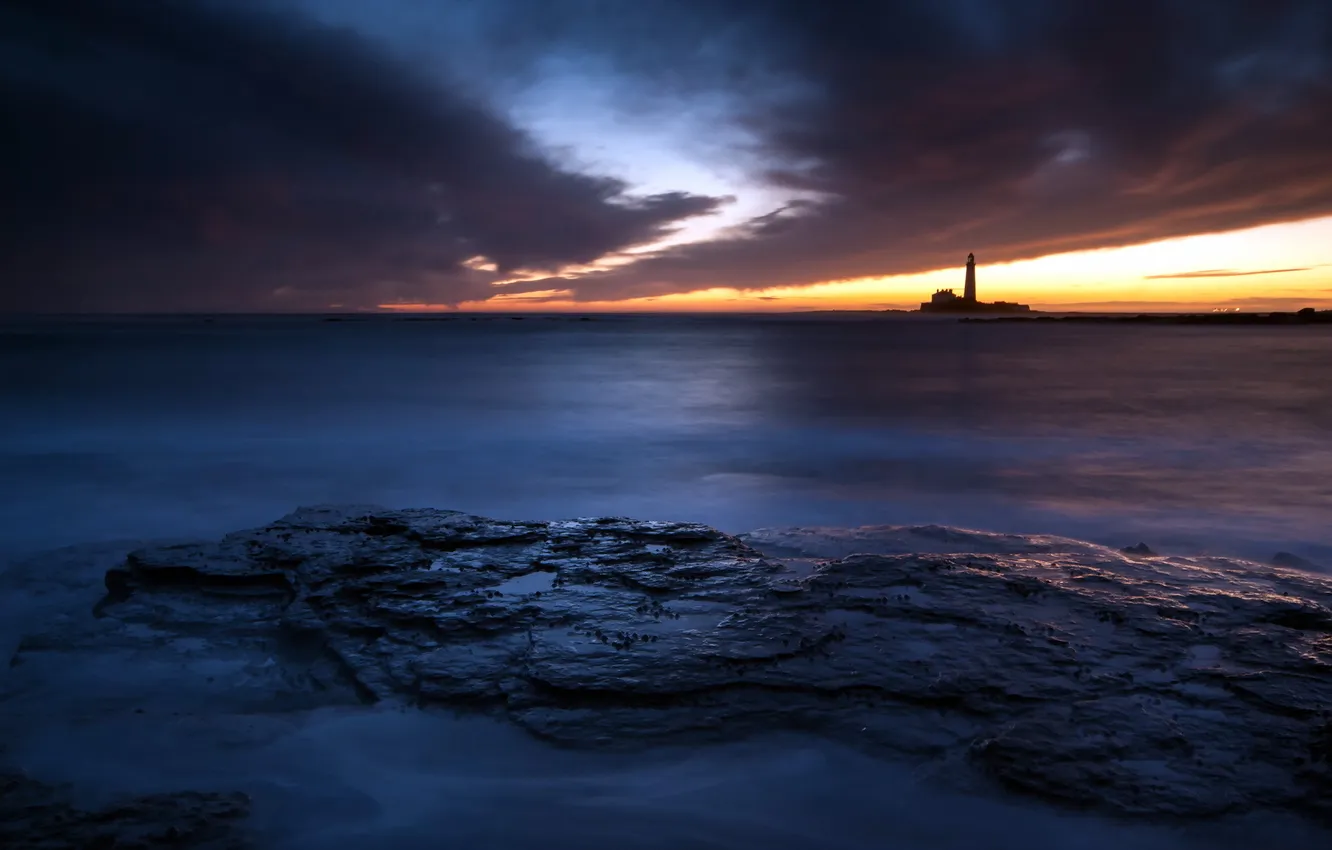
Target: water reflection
<point>1198,437</point>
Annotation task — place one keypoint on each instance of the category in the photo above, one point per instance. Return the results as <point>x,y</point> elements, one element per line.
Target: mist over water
<point>336,780</point>
<point>1199,439</point>
<point>1209,439</point>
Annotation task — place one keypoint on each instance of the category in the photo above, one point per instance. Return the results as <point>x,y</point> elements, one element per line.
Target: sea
<point>1199,439</point>
<point>1190,439</point>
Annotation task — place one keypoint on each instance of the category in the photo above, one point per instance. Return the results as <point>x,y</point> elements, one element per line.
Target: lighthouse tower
<point>969,291</point>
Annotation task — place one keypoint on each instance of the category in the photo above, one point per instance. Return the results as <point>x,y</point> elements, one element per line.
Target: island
<point>948,301</point>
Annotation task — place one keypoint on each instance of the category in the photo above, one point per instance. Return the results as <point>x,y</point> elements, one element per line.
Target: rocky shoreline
<point>1129,684</point>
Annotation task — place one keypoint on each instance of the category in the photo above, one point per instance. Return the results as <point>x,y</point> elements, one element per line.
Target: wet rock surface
<point>38,816</point>
<point>1142,685</point>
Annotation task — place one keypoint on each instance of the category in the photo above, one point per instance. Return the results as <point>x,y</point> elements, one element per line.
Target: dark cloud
<point>195,155</point>
<point>1221,273</point>
<point>1279,302</point>
<point>1014,128</point>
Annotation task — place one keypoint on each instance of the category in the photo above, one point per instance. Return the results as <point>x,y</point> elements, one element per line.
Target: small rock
<point>1286,559</point>
<point>1142,550</point>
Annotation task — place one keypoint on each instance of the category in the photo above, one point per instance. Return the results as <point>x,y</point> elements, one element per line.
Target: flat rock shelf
<point>1135,685</point>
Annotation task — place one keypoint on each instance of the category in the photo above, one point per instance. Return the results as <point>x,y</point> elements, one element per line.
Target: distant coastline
<point>1307,316</point>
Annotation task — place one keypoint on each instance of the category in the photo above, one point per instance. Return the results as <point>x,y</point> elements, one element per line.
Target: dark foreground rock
<point>1133,685</point>
<point>37,816</point>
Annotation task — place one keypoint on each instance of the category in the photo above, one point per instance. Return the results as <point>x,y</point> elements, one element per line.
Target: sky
<point>311,155</point>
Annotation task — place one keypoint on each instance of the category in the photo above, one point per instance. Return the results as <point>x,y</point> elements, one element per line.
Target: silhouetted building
<point>947,301</point>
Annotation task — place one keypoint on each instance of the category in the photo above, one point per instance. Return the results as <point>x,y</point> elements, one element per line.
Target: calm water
<point>1193,438</point>
<point>1217,439</point>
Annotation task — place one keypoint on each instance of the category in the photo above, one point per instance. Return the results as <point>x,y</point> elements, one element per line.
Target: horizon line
<point>1086,307</point>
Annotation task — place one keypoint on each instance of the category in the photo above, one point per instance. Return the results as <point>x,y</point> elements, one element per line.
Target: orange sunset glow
<point>1275,267</point>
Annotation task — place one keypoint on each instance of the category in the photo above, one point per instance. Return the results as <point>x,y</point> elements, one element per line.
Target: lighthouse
<point>947,301</point>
